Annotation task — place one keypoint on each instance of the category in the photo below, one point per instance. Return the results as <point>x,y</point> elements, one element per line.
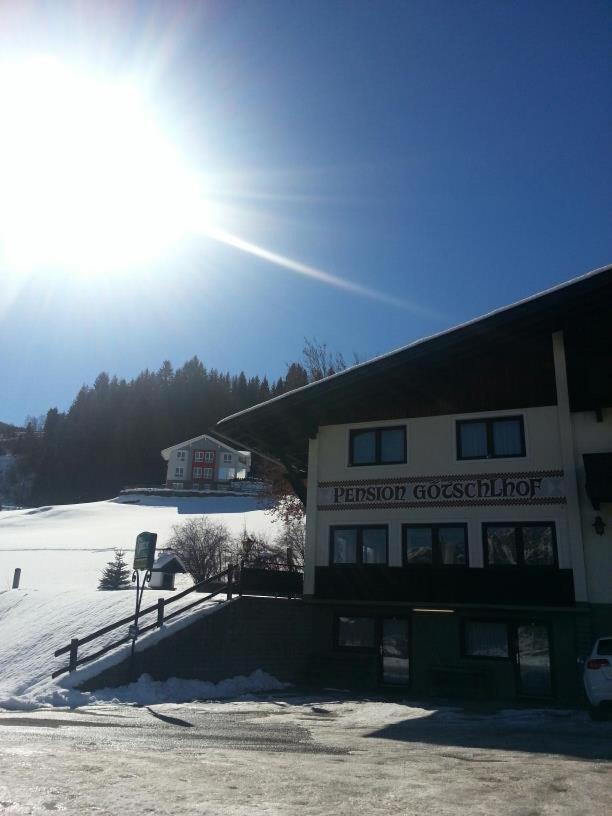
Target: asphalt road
<point>316,755</point>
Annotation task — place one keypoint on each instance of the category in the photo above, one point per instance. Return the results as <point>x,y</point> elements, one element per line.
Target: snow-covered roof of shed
<point>164,563</point>
<point>167,451</point>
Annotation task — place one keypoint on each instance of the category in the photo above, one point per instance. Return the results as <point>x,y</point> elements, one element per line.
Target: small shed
<point>164,570</point>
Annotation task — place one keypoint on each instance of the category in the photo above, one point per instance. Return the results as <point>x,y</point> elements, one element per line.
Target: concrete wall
<point>276,635</point>
<point>294,641</point>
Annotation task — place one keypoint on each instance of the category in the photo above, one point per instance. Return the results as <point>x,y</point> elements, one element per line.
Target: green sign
<point>145,551</point>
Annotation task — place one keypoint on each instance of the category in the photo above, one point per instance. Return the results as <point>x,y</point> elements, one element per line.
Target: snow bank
<point>146,691</point>
<point>62,551</point>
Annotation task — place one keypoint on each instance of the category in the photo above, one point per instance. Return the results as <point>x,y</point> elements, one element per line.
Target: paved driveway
<point>323,754</point>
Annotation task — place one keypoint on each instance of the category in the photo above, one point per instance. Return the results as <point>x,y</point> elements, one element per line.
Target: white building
<point>203,460</point>
<point>458,497</point>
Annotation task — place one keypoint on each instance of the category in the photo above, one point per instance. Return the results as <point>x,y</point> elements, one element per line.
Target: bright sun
<point>88,179</point>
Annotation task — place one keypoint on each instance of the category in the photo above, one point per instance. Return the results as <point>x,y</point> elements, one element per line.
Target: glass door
<point>395,651</point>
<point>533,660</point>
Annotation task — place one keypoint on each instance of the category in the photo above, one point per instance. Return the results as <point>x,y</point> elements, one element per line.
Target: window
<point>177,485</point>
<point>355,633</point>
<point>490,438</point>
<point>227,457</point>
<point>181,455</point>
<point>209,456</point>
<point>486,639</point>
<point>378,446</point>
<point>435,545</point>
<point>529,544</point>
<point>207,473</point>
<point>178,471</point>
<point>358,545</point>
<point>199,456</point>
<point>197,473</point>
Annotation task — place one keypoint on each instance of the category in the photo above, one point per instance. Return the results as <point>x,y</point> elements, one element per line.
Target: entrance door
<point>533,659</point>
<point>395,651</point>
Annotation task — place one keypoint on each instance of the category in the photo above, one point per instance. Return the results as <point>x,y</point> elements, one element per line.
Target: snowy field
<point>315,755</point>
<point>61,551</point>
<point>67,546</point>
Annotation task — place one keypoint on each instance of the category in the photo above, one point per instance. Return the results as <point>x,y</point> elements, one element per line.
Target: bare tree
<point>291,541</point>
<point>319,362</point>
<point>202,545</point>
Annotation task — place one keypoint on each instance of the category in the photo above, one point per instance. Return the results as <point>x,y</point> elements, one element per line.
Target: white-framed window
<point>227,457</point>
<point>209,456</point>
<point>199,456</point>
<point>179,471</point>
<point>207,473</point>
<point>181,455</point>
<point>177,485</point>
<point>197,473</point>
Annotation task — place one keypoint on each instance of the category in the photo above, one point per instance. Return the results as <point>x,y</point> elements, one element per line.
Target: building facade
<point>202,461</point>
<point>458,494</point>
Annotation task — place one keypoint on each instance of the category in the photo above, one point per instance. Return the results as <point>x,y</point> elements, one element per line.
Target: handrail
<point>159,607</point>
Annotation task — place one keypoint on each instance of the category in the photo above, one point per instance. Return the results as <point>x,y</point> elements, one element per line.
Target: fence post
<point>74,648</point>
<point>16,577</point>
<point>160,611</point>
<point>230,581</point>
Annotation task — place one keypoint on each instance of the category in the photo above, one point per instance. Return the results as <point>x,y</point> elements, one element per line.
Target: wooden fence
<point>215,582</point>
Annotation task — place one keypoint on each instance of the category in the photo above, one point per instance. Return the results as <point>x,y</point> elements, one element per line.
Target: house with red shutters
<point>203,460</point>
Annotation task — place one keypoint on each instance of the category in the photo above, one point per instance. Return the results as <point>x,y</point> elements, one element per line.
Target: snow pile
<point>35,624</point>
<point>147,691</point>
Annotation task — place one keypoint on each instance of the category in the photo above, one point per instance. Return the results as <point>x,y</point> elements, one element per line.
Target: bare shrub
<point>203,546</point>
<point>255,550</point>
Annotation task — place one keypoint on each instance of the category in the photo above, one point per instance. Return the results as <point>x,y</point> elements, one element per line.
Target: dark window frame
<point>354,649</point>
<point>509,640</point>
<point>489,422</point>
<point>377,446</point>
<point>359,545</point>
<point>436,560</point>
<point>520,554</point>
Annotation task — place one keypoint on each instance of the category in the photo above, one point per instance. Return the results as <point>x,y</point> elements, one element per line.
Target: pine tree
<point>116,573</point>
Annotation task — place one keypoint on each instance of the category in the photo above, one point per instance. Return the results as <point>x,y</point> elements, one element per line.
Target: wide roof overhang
<point>282,426</point>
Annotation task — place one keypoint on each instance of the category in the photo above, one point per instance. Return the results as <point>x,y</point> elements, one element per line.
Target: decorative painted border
<point>457,477</point>
<point>424,503</point>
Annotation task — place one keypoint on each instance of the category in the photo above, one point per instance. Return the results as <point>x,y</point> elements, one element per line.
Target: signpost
<point>144,555</point>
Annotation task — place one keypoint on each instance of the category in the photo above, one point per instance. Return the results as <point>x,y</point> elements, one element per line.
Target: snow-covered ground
<point>67,546</point>
<point>62,551</point>
<point>285,753</point>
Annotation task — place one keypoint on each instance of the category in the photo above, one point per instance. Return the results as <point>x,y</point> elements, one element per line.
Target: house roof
<point>287,421</point>
<point>167,451</point>
<point>168,561</point>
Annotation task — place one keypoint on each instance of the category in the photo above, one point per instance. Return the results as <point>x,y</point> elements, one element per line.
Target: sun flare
<point>89,178</point>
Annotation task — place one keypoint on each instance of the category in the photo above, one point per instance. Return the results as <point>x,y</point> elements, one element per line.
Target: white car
<point>598,678</point>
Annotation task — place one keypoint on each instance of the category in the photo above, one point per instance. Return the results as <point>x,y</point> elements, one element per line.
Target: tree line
<point>112,434</point>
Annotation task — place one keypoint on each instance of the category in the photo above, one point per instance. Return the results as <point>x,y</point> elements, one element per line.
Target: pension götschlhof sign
<point>440,491</point>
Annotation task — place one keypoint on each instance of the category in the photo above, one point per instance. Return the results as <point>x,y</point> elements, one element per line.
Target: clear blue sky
<point>453,155</point>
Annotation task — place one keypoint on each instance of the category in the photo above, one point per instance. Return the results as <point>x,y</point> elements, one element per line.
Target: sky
<point>372,173</point>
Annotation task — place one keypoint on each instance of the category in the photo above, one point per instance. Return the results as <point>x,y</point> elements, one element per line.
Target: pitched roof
<point>168,561</point>
<point>291,418</point>
<point>167,451</point>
